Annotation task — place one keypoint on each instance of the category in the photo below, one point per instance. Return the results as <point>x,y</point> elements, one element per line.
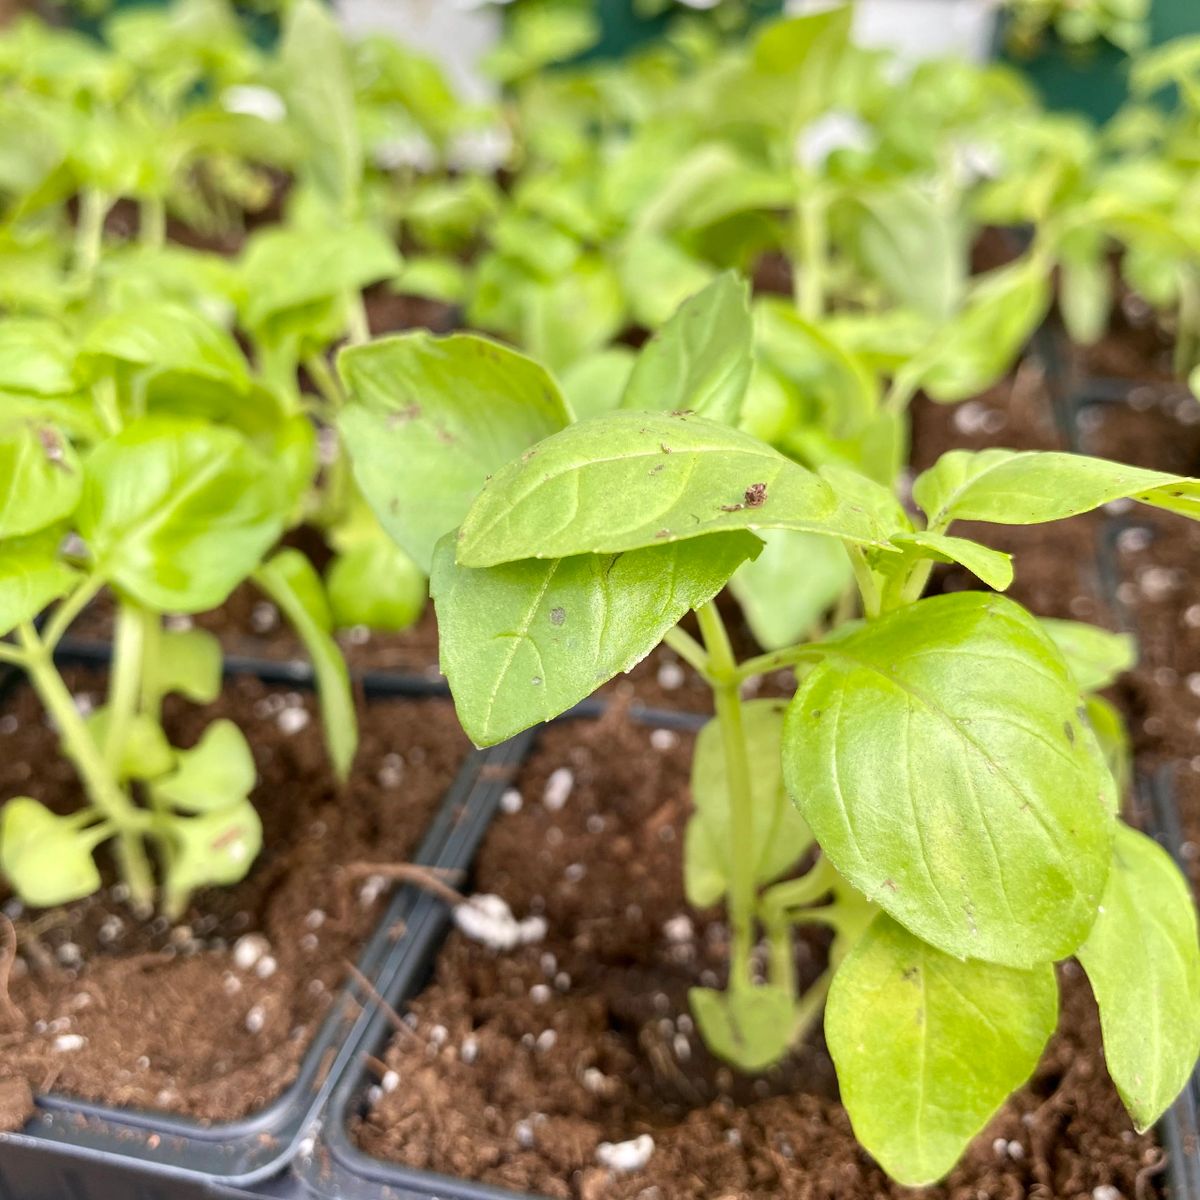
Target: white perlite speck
<point>256,1018</point>
<point>626,1156</point>
<point>247,950</point>
<point>558,788</point>
<point>671,676</point>
<point>292,720</point>
<point>664,739</point>
<point>511,801</point>
<point>679,929</point>
<point>1106,1191</point>
<point>67,1042</point>
<point>488,919</point>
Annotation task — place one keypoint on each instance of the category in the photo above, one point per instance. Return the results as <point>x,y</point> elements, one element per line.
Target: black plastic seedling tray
<point>78,1151</point>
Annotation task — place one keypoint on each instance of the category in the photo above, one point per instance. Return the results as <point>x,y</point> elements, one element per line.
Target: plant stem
<point>358,328</point>
<point>327,383</point>
<point>89,233</point>
<point>152,221</point>
<point>10,654</point>
<point>726,694</point>
<point>68,609</point>
<point>106,403</point>
<point>688,649</point>
<point>105,793</point>
<point>1187,335</point>
<point>868,587</point>
<point>150,698</point>
<point>790,656</point>
<point>812,256</point>
<point>124,683</point>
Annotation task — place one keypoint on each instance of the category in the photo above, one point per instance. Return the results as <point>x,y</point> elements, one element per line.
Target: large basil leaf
<point>177,513</point>
<point>40,477</point>
<point>1144,965</point>
<point>941,760</point>
<point>1026,487</point>
<point>431,419</point>
<point>292,582</point>
<point>701,358</point>
<point>36,357</point>
<point>927,1048</point>
<point>31,575</point>
<point>780,837</point>
<point>522,642</point>
<point>628,480</point>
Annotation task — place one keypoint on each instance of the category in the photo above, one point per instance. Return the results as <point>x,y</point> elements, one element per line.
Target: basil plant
<point>940,792</point>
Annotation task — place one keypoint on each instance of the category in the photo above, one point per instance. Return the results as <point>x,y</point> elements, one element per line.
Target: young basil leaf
<point>1144,966</point>
<point>629,480</point>
<point>749,1027</point>
<point>166,338</point>
<point>377,585</point>
<point>216,847</point>
<point>577,313</point>
<point>594,385</point>
<point>453,410</point>
<point>1095,656</point>
<point>216,774</point>
<point>927,1048</point>
<point>36,357</point>
<point>939,757</point>
<point>780,836</point>
<point>31,575</point>
<point>524,641</point>
<point>700,360</point>
<point>319,90</point>
<point>146,753</point>
<point>979,344</point>
<point>292,583</point>
<point>796,579</point>
<point>994,567</point>
<point>40,477</point>
<point>177,513</point>
<point>46,858</point>
<point>1026,487</point>
<point>1109,727</point>
<point>189,662</point>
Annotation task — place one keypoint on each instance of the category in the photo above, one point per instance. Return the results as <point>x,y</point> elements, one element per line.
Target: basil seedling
<point>939,793</point>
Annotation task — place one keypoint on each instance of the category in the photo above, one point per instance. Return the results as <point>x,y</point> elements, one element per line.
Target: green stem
<point>89,233</point>
<point>68,609</point>
<point>727,696</point>
<point>777,660</point>
<point>811,266</point>
<point>868,586</point>
<point>150,699</point>
<point>326,382</point>
<point>103,790</point>
<point>1187,335</point>
<point>689,650</point>
<point>358,329</point>
<point>798,893</point>
<point>10,654</point>
<point>124,684</point>
<point>152,221</point>
<point>106,404</point>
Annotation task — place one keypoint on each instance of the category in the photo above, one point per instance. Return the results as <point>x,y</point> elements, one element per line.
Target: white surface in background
<point>447,30</point>
<point>919,29</point>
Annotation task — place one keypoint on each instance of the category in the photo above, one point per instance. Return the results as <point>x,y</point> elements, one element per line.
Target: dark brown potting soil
<point>515,1067</point>
<point>133,1012</point>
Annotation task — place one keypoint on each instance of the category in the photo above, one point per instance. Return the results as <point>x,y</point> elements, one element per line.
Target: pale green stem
<point>10,654</point>
<point>152,221</point>
<point>812,265</point>
<point>124,683</point>
<point>777,660</point>
<point>150,699</point>
<point>106,403</point>
<point>358,329</point>
<point>727,696</point>
<point>868,586</point>
<point>327,384</point>
<point>688,649</point>
<point>89,233</point>
<point>70,608</point>
<point>103,790</point>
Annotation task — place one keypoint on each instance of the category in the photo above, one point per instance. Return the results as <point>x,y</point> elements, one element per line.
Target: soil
<point>141,1013</point>
<point>515,1067</point>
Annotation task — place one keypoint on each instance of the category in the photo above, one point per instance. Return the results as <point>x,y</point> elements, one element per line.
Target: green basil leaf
<point>40,478</point>
<point>979,344</point>
<point>779,836</point>
<point>750,1027</point>
<point>216,847</point>
<point>524,641</point>
<point>189,662</point>
<point>177,513</point>
<point>577,313</point>
<point>629,480</point>
<point>377,585</point>
<point>927,1048</point>
<point>292,583</point>
<point>146,753</point>
<point>453,411</point>
<point>1144,965</point>
<point>1095,656</point>
<point>786,590</point>
<point>36,357</point>
<point>31,576</point>
<point>994,567</point>
<point>1026,487</point>
<point>319,89</point>
<point>595,384</point>
<point>216,774</point>
<point>166,338</point>
<point>1109,727</point>
<point>939,757</point>
<point>700,360</point>
<point>47,859</point>
<point>657,276</point>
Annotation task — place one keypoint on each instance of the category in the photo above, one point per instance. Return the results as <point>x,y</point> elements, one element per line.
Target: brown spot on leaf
<point>402,416</point>
<point>756,495</point>
<point>52,447</point>
<point>558,616</point>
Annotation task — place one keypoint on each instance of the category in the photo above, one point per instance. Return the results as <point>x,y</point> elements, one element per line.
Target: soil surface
<point>131,1012</point>
<point>515,1067</point>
